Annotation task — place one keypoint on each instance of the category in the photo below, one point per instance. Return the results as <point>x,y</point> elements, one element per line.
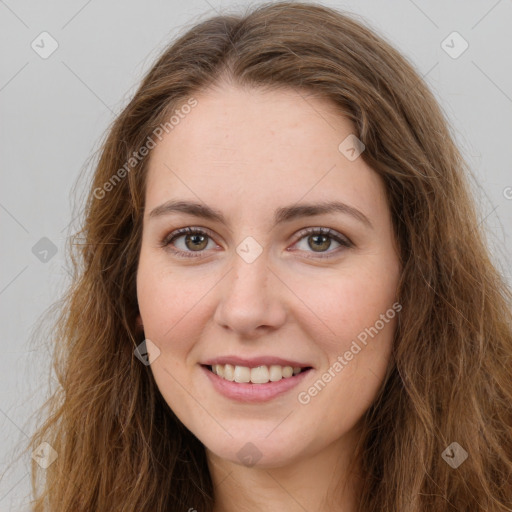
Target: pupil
<point>196,240</point>
<point>317,238</point>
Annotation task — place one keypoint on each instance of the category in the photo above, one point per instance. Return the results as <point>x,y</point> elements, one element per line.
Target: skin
<point>247,152</point>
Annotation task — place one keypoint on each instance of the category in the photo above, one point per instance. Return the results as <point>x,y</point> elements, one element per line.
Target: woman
<point>283,299</point>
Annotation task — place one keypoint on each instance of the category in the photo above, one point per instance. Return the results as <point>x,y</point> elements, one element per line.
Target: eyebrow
<point>281,215</point>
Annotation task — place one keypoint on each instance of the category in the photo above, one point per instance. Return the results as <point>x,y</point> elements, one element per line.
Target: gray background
<point>55,111</point>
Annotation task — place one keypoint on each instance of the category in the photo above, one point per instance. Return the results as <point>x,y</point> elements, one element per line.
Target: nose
<point>252,300</point>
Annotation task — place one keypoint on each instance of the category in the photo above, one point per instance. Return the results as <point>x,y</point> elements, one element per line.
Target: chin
<point>256,451</point>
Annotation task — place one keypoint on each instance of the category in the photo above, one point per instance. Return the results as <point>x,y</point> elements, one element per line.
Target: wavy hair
<point>121,448</point>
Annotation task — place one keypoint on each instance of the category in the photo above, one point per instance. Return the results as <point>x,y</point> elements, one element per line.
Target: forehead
<point>241,146</point>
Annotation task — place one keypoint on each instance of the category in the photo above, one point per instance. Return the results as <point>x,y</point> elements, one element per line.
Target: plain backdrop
<point>69,67</point>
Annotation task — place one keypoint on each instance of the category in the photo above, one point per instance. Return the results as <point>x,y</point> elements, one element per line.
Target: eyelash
<point>167,240</point>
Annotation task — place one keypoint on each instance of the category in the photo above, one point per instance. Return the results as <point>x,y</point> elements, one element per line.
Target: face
<point>266,284</point>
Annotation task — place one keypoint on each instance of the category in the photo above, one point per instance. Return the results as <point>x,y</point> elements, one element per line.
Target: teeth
<point>287,372</point>
<point>276,373</point>
<point>229,371</point>
<point>242,374</point>
<point>258,375</point>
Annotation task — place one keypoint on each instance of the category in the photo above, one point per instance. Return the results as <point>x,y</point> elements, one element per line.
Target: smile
<point>236,382</point>
<point>258,375</point>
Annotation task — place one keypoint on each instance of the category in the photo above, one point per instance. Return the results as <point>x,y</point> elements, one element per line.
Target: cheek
<point>352,320</point>
<point>348,303</point>
<point>168,303</point>
<point>355,335</point>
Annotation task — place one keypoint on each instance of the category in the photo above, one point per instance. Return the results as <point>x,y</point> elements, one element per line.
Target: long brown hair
<point>121,448</point>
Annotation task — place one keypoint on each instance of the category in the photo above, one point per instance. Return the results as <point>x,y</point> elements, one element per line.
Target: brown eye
<point>195,241</point>
<point>319,240</point>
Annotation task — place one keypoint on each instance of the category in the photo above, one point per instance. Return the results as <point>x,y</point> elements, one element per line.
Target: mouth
<point>254,384</point>
<point>262,374</point>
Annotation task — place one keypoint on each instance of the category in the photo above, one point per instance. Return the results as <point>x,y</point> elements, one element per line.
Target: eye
<point>196,240</point>
<point>318,239</point>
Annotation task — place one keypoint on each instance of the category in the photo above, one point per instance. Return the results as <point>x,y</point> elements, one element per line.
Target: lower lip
<point>249,392</point>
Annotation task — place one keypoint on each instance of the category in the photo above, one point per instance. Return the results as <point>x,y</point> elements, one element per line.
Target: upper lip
<point>253,362</point>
